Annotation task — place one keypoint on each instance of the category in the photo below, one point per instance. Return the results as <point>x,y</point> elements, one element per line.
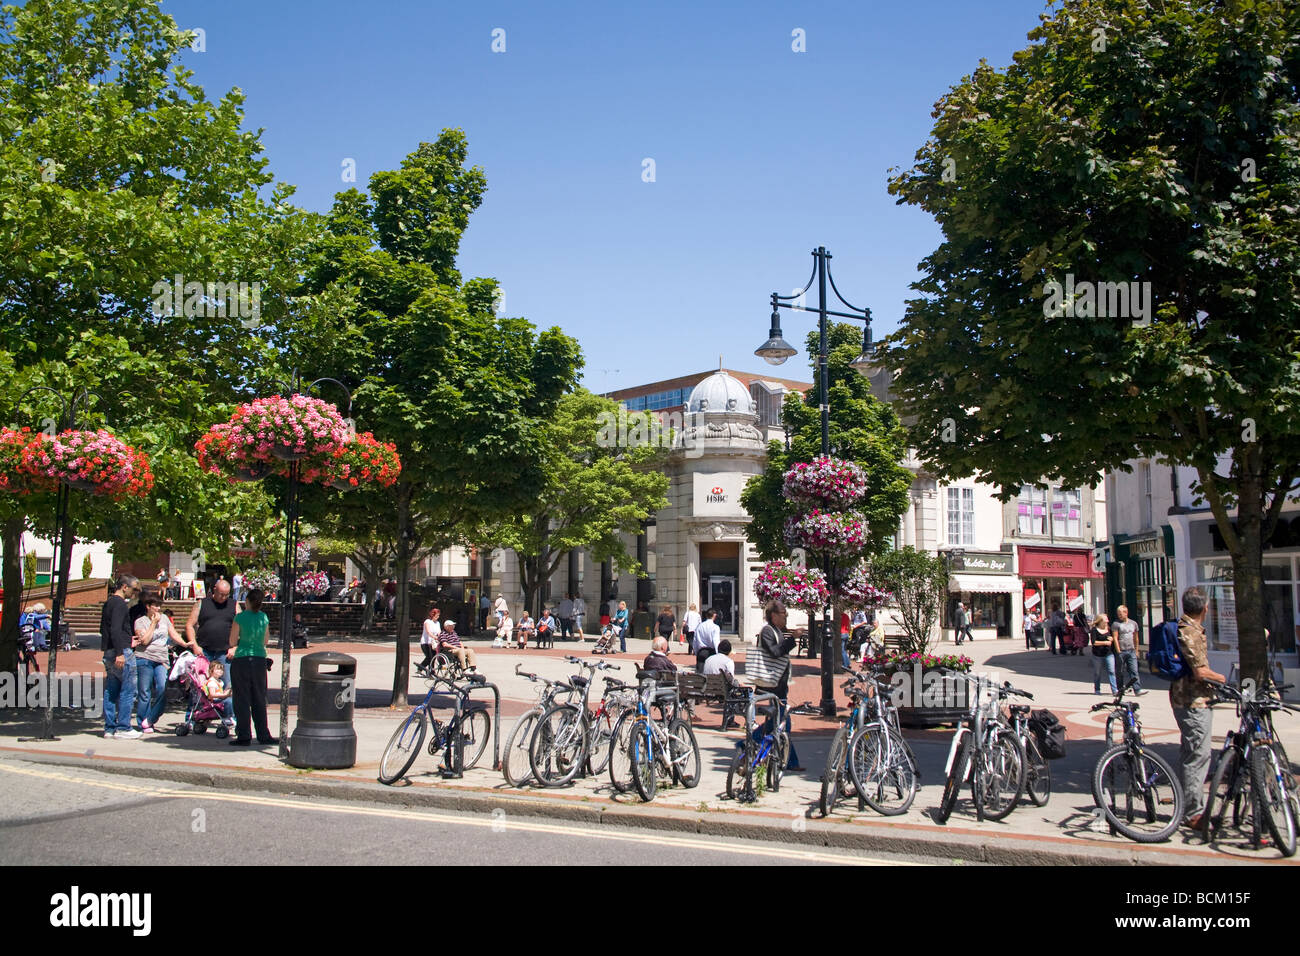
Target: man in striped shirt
<point>450,642</point>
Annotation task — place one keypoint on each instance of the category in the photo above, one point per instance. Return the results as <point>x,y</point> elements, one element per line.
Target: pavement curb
<point>954,846</point>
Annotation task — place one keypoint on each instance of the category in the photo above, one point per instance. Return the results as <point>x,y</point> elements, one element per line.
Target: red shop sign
<point>1056,563</point>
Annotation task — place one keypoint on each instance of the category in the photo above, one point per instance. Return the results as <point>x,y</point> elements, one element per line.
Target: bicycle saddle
<point>1019,708</point>
<point>577,681</point>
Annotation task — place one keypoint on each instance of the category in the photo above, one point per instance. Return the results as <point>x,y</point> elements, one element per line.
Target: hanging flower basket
<point>310,583</point>
<point>825,483</point>
<point>250,472</point>
<point>285,429</point>
<point>840,534</point>
<point>97,462</point>
<point>263,579</point>
<point>363,461</point>
<point>14,478</point>
<point>855,590</point>
<point>795,587</point>
<point>219,455</point>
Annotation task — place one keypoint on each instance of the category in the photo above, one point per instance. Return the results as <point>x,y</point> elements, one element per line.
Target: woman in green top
<point>248,671</point>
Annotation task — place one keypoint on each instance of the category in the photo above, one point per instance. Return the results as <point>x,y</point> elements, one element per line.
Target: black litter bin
<point>324,737</point>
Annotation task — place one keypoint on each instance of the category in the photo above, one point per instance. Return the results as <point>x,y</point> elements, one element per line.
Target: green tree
<point>863,430</point>
<point>1156,144</point>
<point>117,173</point>
<point>592,493</point>
<point>87,566</point>
<point>919,582</point>
<point>462,392</point>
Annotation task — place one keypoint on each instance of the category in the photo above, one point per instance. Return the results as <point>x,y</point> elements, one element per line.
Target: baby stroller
<point>605,644</point>
<point>192,672</point>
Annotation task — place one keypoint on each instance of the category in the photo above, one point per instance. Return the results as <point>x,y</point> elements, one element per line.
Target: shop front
<point>1064,578</point>
<point>1141,575</point>
<point>985,582</point>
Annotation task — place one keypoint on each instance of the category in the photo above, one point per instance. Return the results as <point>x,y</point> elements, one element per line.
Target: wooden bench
<point>713,689</point>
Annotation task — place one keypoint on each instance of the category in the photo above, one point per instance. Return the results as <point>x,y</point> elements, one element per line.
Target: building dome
<point>721,394</point>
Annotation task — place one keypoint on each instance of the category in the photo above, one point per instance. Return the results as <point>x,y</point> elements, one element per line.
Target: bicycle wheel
<point>1038,773</point>
<point>643,761</point>
<point>882,769</point>
<point>515,765</point>
<point>403,748</point>
<point>600,741</point>
<point>1139,794</point>
<point>777,758</point>
<point>740,775</point>
<point>475,732</point>
<point>1004,777</point>
<point>559,746</point>
<point>835,766</point>
<point>620,753</point>
<point>684,751</point>
<point>1225,791</point>
<point>1272,800</point>
<point>956,777</point>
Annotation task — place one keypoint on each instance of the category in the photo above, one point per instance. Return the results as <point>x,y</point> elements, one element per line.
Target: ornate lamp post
<point>775,351</point>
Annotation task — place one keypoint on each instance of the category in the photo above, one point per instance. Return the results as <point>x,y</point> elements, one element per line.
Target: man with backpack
<point>1184,660</point>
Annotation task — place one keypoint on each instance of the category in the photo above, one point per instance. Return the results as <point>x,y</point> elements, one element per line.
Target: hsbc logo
<point>716,495</point>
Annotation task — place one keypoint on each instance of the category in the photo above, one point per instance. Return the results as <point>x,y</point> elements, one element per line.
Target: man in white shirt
<point>707,636</point>
<point>721,662</point>
<point>690,623</point>
<point>565,613</point>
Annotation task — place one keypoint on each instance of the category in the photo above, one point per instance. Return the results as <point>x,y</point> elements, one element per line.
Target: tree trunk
<point>370,570</point>
<point>402,658</point>
<point>13,587</point>
<point>1248,575</point>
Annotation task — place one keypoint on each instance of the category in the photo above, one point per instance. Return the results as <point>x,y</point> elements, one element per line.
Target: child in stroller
<point>202,709</point>
<point>608,635</point>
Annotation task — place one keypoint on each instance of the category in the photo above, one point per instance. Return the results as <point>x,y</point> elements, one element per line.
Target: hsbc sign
<point>718,493</point>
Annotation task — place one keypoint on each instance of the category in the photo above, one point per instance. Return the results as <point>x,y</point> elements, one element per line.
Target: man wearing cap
<point>449,642</point>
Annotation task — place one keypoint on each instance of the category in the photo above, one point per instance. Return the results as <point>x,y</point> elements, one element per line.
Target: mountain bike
<point>462,739</point>
<point>655,749</point>
<point>770,750</point>
<point>1038,769</point>
<point>1252,776</point>
<point>515,764</point>
<point>1137,791</point>
<point>986,752</point>
<point>883,765</point>
<point>837,778</point>
<point>562,739</point>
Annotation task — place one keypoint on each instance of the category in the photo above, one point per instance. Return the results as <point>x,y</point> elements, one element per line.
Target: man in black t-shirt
<point>210,623</point>
<point>115,638</point>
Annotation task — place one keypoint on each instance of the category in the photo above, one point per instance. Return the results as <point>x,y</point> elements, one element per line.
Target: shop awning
<point>985,583</point>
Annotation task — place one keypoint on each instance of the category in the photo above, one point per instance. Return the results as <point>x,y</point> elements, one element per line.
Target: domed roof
<point>720,393</point>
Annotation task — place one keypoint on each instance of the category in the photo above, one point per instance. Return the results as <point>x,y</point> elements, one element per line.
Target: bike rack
<point>448,771</point>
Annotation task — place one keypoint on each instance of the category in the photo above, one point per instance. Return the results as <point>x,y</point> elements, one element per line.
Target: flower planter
<point>81,484</point>
<point>289,453</point>
<point>340,485</point>
<point>252,473</point>
<point>921,717</point>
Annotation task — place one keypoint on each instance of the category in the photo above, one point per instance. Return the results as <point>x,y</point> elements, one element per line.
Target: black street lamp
<point>64,542</point>
<point>775,351</point>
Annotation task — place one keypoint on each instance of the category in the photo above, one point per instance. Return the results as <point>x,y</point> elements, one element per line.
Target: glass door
<point>722,598</point>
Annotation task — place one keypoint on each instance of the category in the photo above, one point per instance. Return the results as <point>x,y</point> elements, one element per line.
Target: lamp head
<point>776,349</point>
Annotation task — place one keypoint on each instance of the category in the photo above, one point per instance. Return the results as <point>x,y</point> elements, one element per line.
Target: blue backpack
<point>1165,656</point>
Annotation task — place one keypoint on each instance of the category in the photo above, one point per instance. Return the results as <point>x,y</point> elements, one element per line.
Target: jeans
<point>844,651</point>
<point>1103,664</point>
<point>249,697</point>
<point>766,729</point>
<point>227,706</point>
<point>1196,727</point>
<point>119,691</point>
<point>151,691</point>
<point>622,636</point>
<point>1129,669</point>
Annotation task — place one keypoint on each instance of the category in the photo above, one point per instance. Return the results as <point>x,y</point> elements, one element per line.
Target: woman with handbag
<point>771,668</point>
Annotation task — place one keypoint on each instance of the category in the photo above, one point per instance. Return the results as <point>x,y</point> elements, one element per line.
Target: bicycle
<point>837,778</point>
<point>882,764</point>
<point>663,749</point>
<point>462,739</point>
<point>561,743</point>
<point>516,766</point>
<point>986,752</point>
<point>1252,775</point>
<point>772,750</point>
<point>1137,791</point>
<point>1038,769</point>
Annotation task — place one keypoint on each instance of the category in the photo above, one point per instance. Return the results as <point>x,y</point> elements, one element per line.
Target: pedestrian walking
<point>1125,630</point>
<point>690,621</point>
<point>962,625</point>
<point>501,608</point>
<point>238,583</point>
<point>1033,630</point>
<point>1102,643</point>
<point>430,634</point>
<point>1190,698</point>
<point>666,623</point>
<point>620,623</point>
<point>120,679</point>
<point>579,616</point>
<point>565,613</point>
<point>247,671</point>
<point>1056,628</point>
<point>484,608</point>
<point>154,633</point>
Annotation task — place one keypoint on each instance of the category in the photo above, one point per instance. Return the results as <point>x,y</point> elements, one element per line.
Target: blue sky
<point>760,153</point>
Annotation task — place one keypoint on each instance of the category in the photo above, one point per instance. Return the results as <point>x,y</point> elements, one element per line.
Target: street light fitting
<point>865,361</point>
<point>776,349</point>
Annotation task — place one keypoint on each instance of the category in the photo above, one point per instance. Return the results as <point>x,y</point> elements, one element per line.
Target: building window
<point>1031,509</point>
<point>961,516</point>
<point>1067,509</point>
